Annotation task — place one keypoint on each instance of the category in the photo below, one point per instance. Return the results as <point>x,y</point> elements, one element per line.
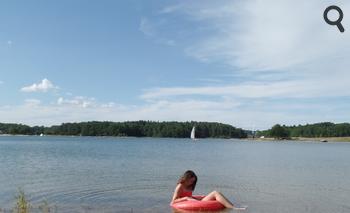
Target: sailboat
<point>193,133</point>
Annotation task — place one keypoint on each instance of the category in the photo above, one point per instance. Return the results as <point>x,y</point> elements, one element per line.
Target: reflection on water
<point>96,174</point>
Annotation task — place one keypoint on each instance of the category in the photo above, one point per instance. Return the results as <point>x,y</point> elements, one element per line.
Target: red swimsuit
<point>186,194</point>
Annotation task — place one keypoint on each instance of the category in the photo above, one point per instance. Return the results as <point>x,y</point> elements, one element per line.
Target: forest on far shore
<point>174,129</point>
<point>325,129</point>
<point>171,129</point>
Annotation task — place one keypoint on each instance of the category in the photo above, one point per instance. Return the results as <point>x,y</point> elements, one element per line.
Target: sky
<point>248,63</point>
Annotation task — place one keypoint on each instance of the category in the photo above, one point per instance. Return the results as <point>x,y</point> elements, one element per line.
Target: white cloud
<point>109,105</point>
<point>44,86</point>
<point>266,35</point>
<point>292,54</point>
<point>277,89</point>
<point>146,27</point>
<point>245,114</point>
<point>256,36</point>
<point>171,8</point>
<point>149,29</point>
<point>282,50</point>
<point>32,102</point>
<point>78,101</point>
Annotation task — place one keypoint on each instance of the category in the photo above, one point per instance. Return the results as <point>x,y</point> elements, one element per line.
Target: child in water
<point>187,184</point>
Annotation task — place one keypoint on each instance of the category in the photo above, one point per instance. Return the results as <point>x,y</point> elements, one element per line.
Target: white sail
<point>193,133</point>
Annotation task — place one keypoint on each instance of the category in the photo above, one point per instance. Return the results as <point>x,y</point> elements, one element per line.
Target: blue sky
<point>248,63</point>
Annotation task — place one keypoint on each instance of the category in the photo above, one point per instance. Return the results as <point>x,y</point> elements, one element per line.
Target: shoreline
<point>112,136</point>
<point>304,139</point>
<point>321,139</point>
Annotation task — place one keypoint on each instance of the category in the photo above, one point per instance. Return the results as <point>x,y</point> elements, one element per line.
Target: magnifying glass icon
<point>336,22</point>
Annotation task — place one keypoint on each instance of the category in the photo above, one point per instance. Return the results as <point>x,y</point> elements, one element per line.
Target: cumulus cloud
<point>44,86</point>
<point>78,101</point>
<point>260,114</point>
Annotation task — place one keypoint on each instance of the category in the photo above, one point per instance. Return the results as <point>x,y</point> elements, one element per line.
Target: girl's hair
<point>186,176</point>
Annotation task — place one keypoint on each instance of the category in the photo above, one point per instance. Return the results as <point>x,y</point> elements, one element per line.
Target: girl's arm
<point>180,199</point>
<point>176,195</point>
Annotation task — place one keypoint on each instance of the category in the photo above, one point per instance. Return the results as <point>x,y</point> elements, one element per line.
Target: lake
<point>107,174</point>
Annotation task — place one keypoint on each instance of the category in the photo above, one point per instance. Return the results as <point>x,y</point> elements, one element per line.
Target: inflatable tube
<point>198,205</point>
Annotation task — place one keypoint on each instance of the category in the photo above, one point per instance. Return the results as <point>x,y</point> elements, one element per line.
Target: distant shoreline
<point>296,139</point>
<point>314,139</point>
<point>141,128</point>
<point>112,136</point>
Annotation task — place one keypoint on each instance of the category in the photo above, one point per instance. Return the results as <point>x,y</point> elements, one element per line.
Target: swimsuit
<point>186,194</point>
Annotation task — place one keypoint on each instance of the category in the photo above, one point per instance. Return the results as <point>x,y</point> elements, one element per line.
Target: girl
<point>187,184</point>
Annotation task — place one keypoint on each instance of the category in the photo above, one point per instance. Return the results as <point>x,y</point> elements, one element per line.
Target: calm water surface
<point>95,174</point>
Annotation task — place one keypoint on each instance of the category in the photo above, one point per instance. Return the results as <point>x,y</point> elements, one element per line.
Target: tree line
<point>129,128</point>
<point>324,129</point>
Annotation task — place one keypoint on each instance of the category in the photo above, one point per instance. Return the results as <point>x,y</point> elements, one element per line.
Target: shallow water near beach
<point>106,174</point>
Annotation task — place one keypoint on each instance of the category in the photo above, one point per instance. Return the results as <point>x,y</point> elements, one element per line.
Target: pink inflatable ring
<point>198,205</point>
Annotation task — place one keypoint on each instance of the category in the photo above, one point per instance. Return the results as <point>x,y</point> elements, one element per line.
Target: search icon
<point>336,22</point>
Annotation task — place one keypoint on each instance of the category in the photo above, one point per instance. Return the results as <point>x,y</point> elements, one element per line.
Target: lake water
<point>97,174</point>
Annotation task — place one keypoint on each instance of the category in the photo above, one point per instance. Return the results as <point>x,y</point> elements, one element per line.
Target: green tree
<point>278,131</point>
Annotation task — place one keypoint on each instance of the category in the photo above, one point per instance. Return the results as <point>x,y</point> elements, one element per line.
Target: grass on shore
<point>22,205</point>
